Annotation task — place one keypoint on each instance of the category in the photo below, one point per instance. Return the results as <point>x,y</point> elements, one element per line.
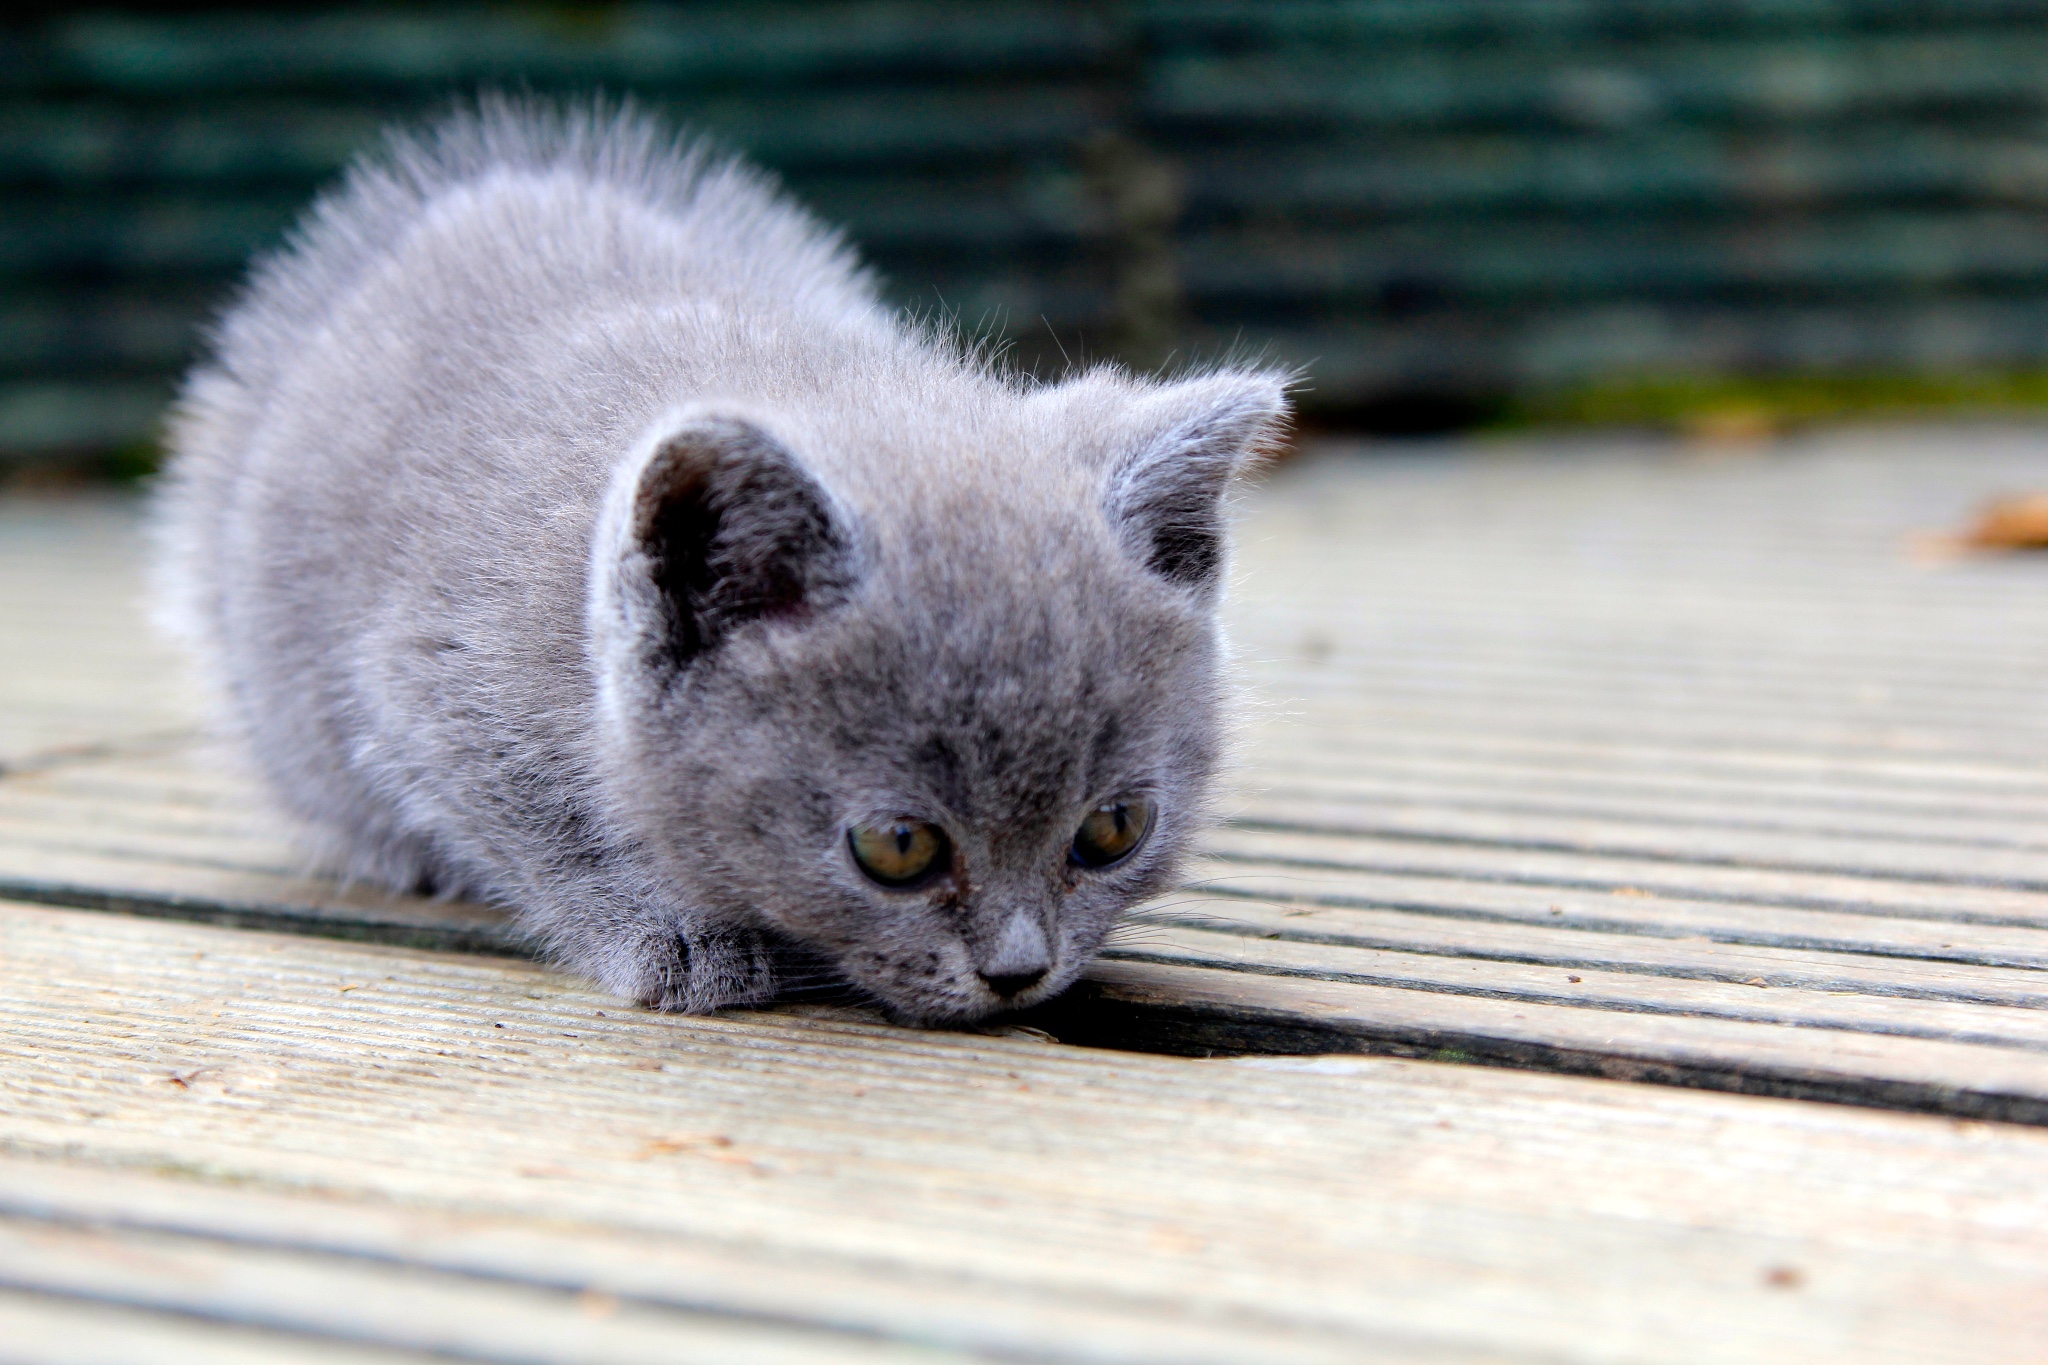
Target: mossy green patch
<point>1734,403</point>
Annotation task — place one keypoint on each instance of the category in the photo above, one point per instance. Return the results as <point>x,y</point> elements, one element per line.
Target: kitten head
<point>940,716</point>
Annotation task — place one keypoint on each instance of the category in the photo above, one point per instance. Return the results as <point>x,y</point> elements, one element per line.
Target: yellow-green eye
<point>901,852</point>
<point>1111,831</point>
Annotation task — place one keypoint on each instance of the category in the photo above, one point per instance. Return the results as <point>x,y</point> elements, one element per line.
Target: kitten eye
<point>1111,831</point>
<point>900,853</point>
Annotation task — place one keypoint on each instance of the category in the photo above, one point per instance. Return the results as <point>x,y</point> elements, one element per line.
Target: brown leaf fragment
<point>2015,522</point>
<point>682,1142</point>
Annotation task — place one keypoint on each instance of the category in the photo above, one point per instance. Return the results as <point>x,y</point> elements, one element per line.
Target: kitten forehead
<point>988,480</point>
<point>994,703</point>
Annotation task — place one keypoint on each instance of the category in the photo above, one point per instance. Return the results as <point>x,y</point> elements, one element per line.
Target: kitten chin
<point>562,515</point>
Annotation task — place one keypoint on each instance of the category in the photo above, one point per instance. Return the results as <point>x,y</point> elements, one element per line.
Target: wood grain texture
<point>78,669</point>
<point>322,1117</point>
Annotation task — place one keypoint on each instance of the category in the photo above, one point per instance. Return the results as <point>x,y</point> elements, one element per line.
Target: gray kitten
<point>565,523</point>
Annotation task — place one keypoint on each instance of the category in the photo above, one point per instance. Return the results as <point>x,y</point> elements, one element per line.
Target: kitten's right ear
<point>716,525</point>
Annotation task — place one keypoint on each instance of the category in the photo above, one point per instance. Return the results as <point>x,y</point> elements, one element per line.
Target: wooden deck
<point>1673,772</point>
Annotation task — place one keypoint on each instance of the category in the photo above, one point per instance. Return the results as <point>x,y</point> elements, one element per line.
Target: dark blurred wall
<point>1426,201</point>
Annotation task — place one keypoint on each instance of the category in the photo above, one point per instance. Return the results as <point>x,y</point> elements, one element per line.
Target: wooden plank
<point>1663,880</point>
<point>600,1267</point>
<point>1195,1010</point>
<point>80,670</point>
<point>1938,795</point>
<point>1415,906</point>
<point>2011,823</point>
<point>1269,1209</point>
<point>254,900</point>
<point>1799,998</point>
<point>1881,774</point>
<point>52,1330</point>
<point>184,1282</point>
<point>1986,862</point>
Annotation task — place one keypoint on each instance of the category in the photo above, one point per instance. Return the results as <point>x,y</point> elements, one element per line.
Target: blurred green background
<point>1450,211</point>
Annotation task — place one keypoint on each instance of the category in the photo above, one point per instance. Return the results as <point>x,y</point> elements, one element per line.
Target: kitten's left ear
<point>1185,444</point>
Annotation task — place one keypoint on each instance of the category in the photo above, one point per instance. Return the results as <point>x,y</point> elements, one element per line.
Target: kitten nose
<point>1021,958</point>
<point>1014,983</point>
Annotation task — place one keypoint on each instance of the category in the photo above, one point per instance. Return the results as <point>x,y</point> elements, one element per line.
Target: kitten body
<point>562,522</point>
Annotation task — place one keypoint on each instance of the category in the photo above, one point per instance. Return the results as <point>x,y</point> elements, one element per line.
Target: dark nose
<point>1008,984</point>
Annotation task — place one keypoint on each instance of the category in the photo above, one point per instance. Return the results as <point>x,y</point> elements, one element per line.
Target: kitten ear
<point>1187,442</point>
<point>719,525</point>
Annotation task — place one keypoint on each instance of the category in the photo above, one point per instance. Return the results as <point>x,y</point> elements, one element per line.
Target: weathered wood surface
<point>1630,763</point>
<point>443,1152</point>
<point>78,670</point>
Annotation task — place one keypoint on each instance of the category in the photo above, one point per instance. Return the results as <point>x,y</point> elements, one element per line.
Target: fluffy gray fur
<point>564,523</point>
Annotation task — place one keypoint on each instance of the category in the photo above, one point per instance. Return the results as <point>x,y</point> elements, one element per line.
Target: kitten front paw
<point>699,972</point>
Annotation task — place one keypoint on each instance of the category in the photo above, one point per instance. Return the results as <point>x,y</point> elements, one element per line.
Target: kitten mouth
<point>995,1001</point>
<point>927,1014</point>
<point>1022,1000</point>
<point>967,1005</point>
